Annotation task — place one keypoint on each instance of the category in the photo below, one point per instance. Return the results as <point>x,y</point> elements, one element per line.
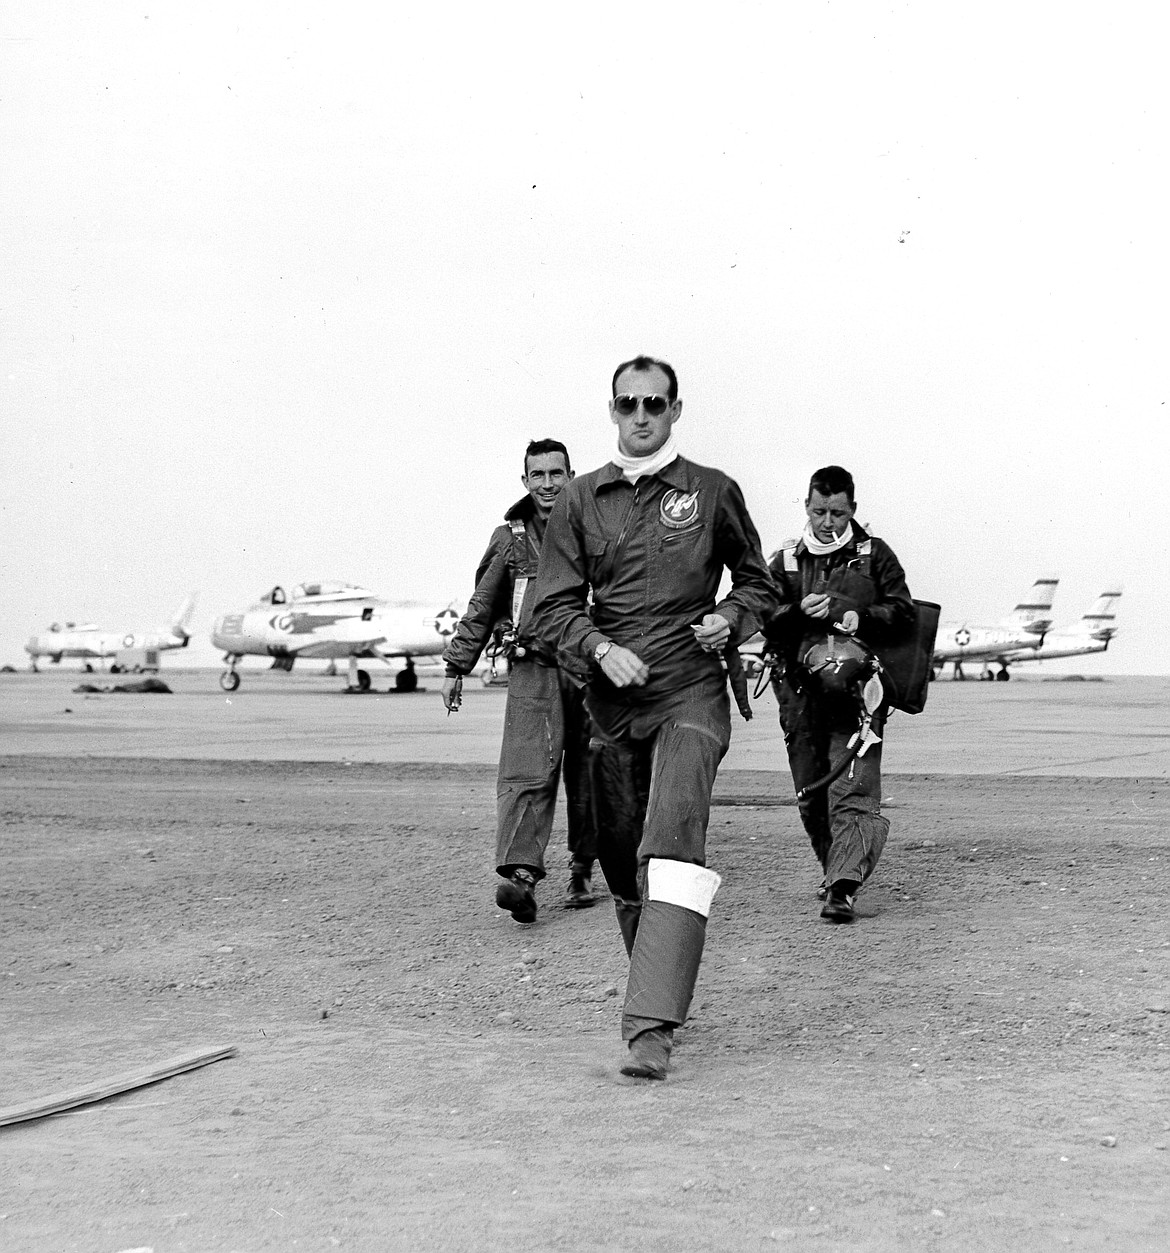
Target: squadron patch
<point>679,509</point>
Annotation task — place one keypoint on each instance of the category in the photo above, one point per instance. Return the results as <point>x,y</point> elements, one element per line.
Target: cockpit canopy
<point>319,591</point>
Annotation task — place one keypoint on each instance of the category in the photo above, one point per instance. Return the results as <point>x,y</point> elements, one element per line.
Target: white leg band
<point>682,883</point>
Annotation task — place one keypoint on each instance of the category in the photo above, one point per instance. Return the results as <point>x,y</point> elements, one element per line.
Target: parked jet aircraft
<point>91,643</point>
<point>1023,628</point>
<point>1090,635</point>
<point>333,621</point>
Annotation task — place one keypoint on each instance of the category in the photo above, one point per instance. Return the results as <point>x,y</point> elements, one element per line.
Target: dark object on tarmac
<point>60,1101</point>
<point>907,664</point>
<point>135,688</point>
<point>143,685</point>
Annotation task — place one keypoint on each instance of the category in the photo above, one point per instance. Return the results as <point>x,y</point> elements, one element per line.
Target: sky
<point>287,289</point>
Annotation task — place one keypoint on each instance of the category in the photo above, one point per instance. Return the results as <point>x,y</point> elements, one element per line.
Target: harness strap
<point>519,562</point>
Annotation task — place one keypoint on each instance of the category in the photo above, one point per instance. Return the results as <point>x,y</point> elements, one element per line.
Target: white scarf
<point>633,468</point>
<point>819,548</point>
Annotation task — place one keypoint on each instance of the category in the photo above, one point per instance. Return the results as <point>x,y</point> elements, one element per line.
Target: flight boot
<point>579,894</point>
<point>650,1054</point>
<point>839,905</point>
<point>517,894</point>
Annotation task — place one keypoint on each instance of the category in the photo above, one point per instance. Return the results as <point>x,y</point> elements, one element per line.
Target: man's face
<point>641,433</point>
<point>545,478</point>
<point>828,515</point>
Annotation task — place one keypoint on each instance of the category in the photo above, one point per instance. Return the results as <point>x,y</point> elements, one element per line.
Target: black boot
<point>579,894</point>
<point>839,906</point>
<point>517,894</point>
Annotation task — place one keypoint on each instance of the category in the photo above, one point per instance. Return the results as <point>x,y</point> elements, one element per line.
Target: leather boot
<point>580,891</point>
<point>650,1053</point>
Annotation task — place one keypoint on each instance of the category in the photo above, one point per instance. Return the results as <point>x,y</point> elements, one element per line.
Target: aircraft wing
<point>345,636</point>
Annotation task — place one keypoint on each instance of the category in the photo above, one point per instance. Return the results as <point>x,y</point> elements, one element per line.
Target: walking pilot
<point>648,537</point>
<point>546,729</point>
<point>845,593</point>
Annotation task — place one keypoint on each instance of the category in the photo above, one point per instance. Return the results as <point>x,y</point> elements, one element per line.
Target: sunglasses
<point>655,406</point>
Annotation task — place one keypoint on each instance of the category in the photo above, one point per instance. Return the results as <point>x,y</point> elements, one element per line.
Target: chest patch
<point>679,509</point>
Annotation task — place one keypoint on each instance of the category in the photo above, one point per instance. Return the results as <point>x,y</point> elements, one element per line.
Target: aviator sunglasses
<point>655,406</point>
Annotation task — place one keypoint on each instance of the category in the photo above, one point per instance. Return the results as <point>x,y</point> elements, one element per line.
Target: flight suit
<point>546,728</point>
<point>844,821</point>
<point>638,564</point>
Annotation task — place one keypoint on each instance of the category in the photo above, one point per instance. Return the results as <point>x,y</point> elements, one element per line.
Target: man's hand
<point>453,692</point>
<point>712,633</point>
<point>815,605</point>
<point>850,621</point>
<point>624,668</point>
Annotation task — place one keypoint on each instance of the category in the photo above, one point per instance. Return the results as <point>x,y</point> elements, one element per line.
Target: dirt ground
<point>979,1062</point>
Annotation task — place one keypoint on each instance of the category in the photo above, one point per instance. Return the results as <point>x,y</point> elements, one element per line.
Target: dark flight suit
<point>844,821</point>
<point>652,555</point>
<point>546,729</point>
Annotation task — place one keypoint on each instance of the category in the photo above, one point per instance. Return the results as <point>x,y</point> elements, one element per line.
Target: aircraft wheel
<point>229,680</point>
<point>363,680</point>
<point>1002,676</point>
<point>405,681</point>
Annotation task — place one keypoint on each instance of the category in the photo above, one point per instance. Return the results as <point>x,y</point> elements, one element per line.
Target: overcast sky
<point>287,288</point>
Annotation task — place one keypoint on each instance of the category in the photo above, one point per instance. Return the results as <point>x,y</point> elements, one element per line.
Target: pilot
<point>649,535</point>
<point>546,730</point>
<point>845,593</point>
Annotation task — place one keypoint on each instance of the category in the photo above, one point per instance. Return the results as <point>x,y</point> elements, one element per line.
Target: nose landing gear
<point>230,680</point>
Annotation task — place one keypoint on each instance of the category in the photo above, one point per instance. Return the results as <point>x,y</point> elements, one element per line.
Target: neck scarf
<point>633,468</point>
<point>819,548</point>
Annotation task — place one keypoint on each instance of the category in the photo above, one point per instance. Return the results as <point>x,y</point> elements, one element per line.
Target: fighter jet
<point>1023,628</point>
<point>333,621</point>
<point>89,642</point>
<point>1090,635</point>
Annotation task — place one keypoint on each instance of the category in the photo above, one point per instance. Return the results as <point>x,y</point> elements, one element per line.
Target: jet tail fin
<point>1100,623</point>
<point>1034,612</point>
<point>182,619</point>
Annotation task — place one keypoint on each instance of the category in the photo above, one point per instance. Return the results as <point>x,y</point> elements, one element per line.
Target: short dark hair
<point>538,447</point>
<point>829,480</point>
<point>648,363</point>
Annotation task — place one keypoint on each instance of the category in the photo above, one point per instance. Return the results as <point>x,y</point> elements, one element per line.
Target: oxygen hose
<point>837,771</point>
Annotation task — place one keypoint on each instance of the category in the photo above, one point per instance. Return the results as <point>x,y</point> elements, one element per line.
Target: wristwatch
<point>602,649</point>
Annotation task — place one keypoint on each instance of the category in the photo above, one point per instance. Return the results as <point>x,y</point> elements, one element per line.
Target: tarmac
<point>978,1062</point>
<point>1106,727</point>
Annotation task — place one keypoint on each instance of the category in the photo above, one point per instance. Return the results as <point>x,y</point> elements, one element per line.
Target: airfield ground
<point>979,1062</point>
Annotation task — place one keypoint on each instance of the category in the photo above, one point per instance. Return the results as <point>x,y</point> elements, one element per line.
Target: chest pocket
<point>678,539</point>
<point>594,558</point>
<point>852,585</point>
